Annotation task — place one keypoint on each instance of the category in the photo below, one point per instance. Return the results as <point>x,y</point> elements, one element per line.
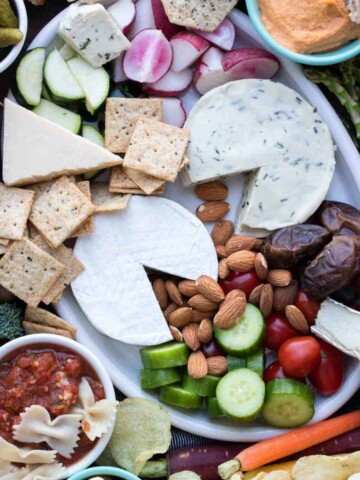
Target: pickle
<point>10,36</point>
<point>8,19</point>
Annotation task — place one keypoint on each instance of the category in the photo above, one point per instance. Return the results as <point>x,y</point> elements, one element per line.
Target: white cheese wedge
<point>35,149</point>
<point>340,326</point>
<point>114,291</point>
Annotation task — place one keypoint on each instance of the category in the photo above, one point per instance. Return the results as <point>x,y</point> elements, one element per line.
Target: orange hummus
<point>309,26</point>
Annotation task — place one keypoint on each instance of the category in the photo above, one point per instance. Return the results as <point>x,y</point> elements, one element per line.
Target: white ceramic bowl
<point>85,353</point>
<point>23,26</point>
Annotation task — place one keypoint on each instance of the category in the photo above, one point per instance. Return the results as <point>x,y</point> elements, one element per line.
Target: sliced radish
<point>245,63</point>
<point>144,18</point>
<point>171,84</point>
<point>187,48</point>
<point>123,12</point>
<point>173,112</point>
<point>149,57</point>
<point>161,20</point>
<point>209,72</point>
<point>223,36</point>
<point>117,71</point>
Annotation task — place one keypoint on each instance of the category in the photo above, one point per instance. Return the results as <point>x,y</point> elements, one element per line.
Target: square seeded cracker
<point>204,15</point>
<point>121,115</point>
<point>42,318</point>
<point>59,211</point>
<point>15,206</point>
<point>106,201</point>
<point>121,183</point>
<point>87,227</point>
<point>147,183</point>
<point>28,272</point>
<point>156,149</point>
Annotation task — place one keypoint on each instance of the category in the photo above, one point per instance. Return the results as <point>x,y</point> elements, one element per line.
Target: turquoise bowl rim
<point>113,471</point>
<point>319,59</point>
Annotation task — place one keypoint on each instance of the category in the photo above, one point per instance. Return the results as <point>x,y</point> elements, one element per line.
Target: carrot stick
<point>269,451</point>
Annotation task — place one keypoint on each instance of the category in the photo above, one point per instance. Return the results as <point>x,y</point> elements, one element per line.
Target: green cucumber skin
<point>178,397</point>
<point>213,409</point>
<point>168,355</point>
<point>19,80</point>
<point>204,387</point>
<point>150,379</point>
<point>235,362</point>
<point>255,362</point>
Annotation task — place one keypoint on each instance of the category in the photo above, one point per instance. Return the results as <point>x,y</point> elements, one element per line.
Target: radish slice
<point>149,57</point>
<point>161,20</point>
<point>117,71</point>
<point>173,112</point>
<point>123,12</point>
<point>209,72</point>
<point>187,48</point>
<point>171,84</point>
<point>223,37</point>
<point>144,18</point>
<point>245,63</point>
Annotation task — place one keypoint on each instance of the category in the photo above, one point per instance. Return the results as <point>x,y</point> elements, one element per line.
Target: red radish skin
<point>171,84</point>
<point>173,112</point>
<point>149,57</point>
<point>117,71</point>
<point>244,63</point>
<point>144,18</point>
<point>223,37</point>
<point>187,48</point>
<point>209,72</point>
<point>123,12</point>
<point>161,20</point>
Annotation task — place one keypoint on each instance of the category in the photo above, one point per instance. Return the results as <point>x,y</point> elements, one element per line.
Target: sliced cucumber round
<point>158,378</point>
<point>213,409</point>
<point>29,75</point>
<point>168,355</point>
<point>245,337</point>
<point>177,396</point>
<point>67,119</point>
<point>205,387</point>
<point>241,394</point>
<point>288,403</point>
<point>235,362</point>
<point>255,362</point>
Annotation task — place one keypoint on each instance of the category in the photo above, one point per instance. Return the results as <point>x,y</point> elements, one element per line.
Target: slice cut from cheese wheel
<point>114,290</point>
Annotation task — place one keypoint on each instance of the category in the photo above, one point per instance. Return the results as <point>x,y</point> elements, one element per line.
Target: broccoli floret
<point>11,317</point>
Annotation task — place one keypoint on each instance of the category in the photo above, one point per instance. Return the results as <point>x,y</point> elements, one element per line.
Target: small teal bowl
<point>112,471</point>
<point>320,59</point>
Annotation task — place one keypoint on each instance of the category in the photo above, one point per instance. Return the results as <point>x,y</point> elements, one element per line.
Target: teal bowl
<point>320,59</point>
<point>112,471</point>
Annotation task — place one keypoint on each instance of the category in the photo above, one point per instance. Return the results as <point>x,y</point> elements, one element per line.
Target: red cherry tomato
<point>299,356</point>
<point>273,371</point>
<point>278,329</point>
<point>308,306</point>
<point>243,281</point>
<point>212,349</point>
<point>328,376</point>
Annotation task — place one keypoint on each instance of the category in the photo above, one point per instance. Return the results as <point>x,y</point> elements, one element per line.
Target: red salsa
<point>44,376</point>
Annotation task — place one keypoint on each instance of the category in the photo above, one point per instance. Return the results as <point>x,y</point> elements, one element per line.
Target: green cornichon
<point>8,19</point>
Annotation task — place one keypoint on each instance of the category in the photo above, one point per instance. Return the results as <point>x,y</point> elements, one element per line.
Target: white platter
<point>123,361</point>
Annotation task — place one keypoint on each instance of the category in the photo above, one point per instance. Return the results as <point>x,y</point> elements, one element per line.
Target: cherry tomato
<point>299,356</point>
<point>278,329</point>
<point>274,370</point>
<point>212,349</point>
<point>243,281</point>
<point>308,306</point>
<point>328,376</point>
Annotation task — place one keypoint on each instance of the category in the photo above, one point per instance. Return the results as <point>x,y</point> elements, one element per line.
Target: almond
<point>255,295</point>
<point>161,293</point>
<point>212,211</point>
<point>237,293</point>
<point>261,266</point>
<point>169,309</point>
<point>199,302</point>
<point>188,288</point>
<point>191,336</point>
<point>229,313</point>
<point>259,242</point>
<point>197,366</point>
<point>217,366</point>
<point>284,296</point>
<point>266,299</point>
<point>223,269</point>
<point>173,292</point>
<point>198,315</point>
<point>221,251</point>
<point>205,331</point>
<point>296,318</point>
<point>211,191</point>
<point>180,317</point>
<point>177,335</point>
<point>279,277</point>
<point>208,287</point>
<point>222,232</point>
<point>240,242</point>
<point>242,261</point>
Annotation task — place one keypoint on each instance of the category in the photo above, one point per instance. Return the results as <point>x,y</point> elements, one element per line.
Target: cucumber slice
<point>29,75</point>
<point>288,403</point>
<point>168,355</point>
<point>45,93</point>
<point>213,409</point>
<point>95,82</point>
<point>205,387</point>
<point>245,337</point>
<point>67,52</point>
<point>235,362</point>
<point>67,119</point>
<point>61,82</point>
<point>158,378</point>
<point>255,362</point>
<point>90,133</point>
<point>177,396</point>
<point>241,394</point>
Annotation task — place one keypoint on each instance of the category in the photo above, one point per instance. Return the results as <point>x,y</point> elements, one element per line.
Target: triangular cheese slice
<point>35,149</point>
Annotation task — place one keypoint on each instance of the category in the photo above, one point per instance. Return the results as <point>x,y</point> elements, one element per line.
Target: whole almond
<point>259,242</point>
<point>191,336</point>
<point>221,251</point>
<point>242,261</point>
<point>255,295</point>
<point>198,315</point>
<point>180,317</point>
<point>211,191</point>
<point>205,332</point>
<point>261,266</point>
<point>237,293</point>
<point>199,302</point>
<point>229,313</point>
<point>177,335</point>
<point>217,366</point>
<point>296,318</point>
<point>266,300</point>
<point>212,211</point>
<point>197,366</point>
<point>284,296</point>
<point>279,277</point>
<point>240,242</point>
<point>222,232</point>
<point>208,287</point>
<point>188,288</point>
<point>223,269</point>
<point>169,309</point>
<point>173,292</point>
<point>161,293</point>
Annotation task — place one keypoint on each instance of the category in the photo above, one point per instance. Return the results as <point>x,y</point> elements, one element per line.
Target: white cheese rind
<point>35,149</point>
<point>114,291</point>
